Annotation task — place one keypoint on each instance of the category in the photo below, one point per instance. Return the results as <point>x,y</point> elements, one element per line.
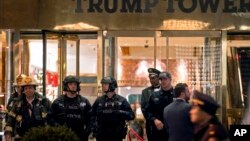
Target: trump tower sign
<point>125,14</point>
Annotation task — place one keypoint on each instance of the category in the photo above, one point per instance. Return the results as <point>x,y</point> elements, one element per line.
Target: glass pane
<point>193,60</point>
<point>88,56</point>
<point>71,58</point>
<point>52,71</point>
<point>36,66</point>
<point>135,56</point>
<point>34,49</point>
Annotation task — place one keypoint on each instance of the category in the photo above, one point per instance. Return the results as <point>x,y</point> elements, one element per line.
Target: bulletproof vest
<point>107,112</point>
<point>64,107</point>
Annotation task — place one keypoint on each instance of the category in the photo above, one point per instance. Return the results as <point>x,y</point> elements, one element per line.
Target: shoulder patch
<point>83,104</point>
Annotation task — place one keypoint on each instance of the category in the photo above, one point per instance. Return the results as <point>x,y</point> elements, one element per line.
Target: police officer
<point>157,102</point>
<point>155,86</point>
<point>111,111</point>
<point>17,90</point>
<point>28,110</point>
<point>206,125</point>
<point>72,109</point>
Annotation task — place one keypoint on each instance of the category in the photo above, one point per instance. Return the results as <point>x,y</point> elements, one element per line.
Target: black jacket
<point>213,129</point>
<point>110,115</point>
<point>146,93</point>
<point>157,102</point>
<point>19,120</point>
<point>154,110</point>
<point>75,113</point>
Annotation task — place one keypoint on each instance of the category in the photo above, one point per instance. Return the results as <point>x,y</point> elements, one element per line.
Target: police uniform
<point>20,120</point>
<point>157,102</point>
<point>146,93</point>
<point>75,113</point>
<point>111,114</point>
<point>213,128</point>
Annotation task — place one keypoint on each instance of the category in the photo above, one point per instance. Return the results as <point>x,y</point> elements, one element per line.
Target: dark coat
<point>20,119</point>
<point>213,129</point>
<point>146,93</point>
<point>76,113</point>
<point>157,102</point>
<point>111,115</point>
<point>177,121</point>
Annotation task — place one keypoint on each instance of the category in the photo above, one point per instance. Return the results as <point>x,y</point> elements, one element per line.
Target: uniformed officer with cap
<point>157,102</point>
<point>206,125</point>
<point>155,86</point>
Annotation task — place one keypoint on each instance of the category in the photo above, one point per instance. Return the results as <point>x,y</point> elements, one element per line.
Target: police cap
<point>165,75</point>
<point>205,102</point>
<point>153,72</point>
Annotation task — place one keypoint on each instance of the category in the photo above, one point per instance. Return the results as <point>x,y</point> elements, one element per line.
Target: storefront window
<point>135,56</point>
<point>193,58</point>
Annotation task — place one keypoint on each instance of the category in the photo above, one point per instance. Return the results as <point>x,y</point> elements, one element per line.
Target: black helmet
<point>111,81</point>
<point>70,79</point>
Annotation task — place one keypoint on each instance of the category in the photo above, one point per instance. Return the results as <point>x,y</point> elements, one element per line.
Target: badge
<point>82,104</point>
<point>18,118</point>
<point>44,115</point>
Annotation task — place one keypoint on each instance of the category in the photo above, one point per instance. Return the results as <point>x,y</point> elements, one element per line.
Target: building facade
<point>201,42</point>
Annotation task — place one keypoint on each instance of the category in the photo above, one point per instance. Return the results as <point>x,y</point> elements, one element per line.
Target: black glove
<point>121,112</point>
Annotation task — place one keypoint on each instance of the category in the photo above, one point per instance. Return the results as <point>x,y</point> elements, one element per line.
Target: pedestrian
<point>157,102</point>
<point>28,110</point>
<point>207,127</point>
<point>111,112</point>
<point>176,115</point>
<point>146,93</point>
<point>72,109</point>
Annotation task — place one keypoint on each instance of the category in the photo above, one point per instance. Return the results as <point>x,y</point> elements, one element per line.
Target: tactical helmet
<point>19,80</point>
<point>111,81</point>
<point>70,79</point>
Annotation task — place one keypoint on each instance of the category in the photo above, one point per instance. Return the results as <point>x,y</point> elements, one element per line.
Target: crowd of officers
<point>168,114</point>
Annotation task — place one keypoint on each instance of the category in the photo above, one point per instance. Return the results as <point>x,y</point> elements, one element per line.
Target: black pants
<point>108,139</point>
<point>149,131</point>
<point>159,135</point>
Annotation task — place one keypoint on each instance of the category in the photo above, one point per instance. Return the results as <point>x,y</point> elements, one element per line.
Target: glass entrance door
<point>51,55</point>
<point>192,57</point>
<point>75,54</point>
<point>238,61</point>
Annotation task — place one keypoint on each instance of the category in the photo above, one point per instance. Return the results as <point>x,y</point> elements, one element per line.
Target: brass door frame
<point>63,36</point>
